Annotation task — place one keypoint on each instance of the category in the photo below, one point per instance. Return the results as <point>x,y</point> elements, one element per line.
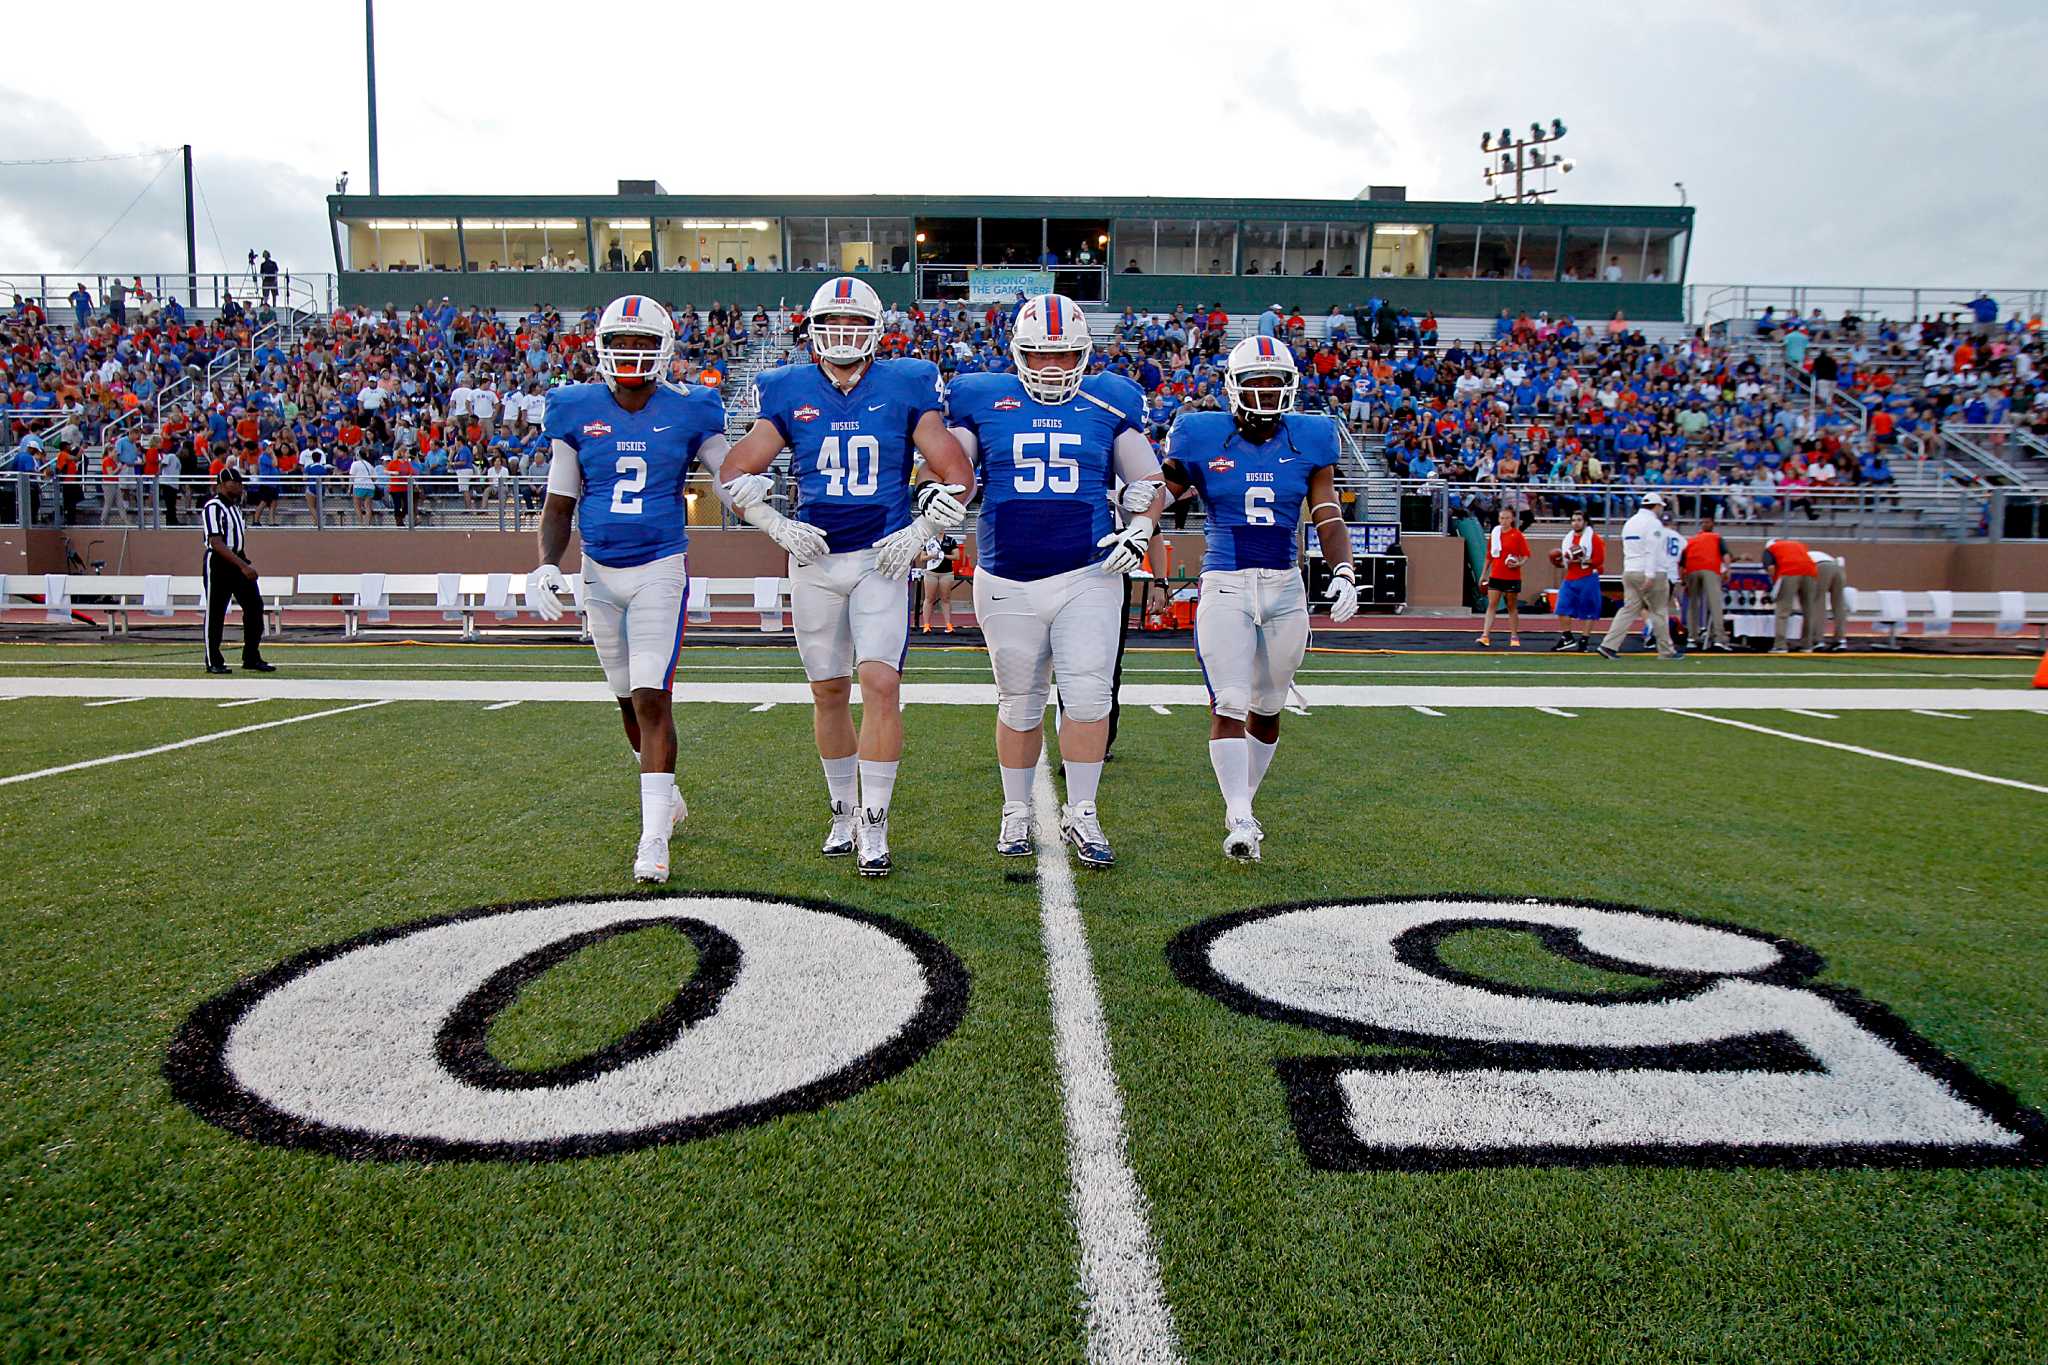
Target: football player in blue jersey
<point>1051,441</point>
<point>1253,468</point>
<point>855,427</point>
<point>619,454</point>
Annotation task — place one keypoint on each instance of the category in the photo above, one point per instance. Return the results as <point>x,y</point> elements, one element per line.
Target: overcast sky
<point>1820,142</point>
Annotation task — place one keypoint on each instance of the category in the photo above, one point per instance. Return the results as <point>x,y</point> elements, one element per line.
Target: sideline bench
<point>117,597</point>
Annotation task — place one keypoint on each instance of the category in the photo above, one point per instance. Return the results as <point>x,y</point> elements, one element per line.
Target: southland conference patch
<point>374,1049</point>
<point>1732,1056</point>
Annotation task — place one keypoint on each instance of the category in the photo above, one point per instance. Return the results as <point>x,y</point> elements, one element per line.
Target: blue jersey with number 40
<point>1046,469</point>
<point>851,452</point>
<point>1252,493</point>
<point>633,465</point>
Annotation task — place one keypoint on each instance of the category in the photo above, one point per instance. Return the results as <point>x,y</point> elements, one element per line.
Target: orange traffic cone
<point>2041,673</point>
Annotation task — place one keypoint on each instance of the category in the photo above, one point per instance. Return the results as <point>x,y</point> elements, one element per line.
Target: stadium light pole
<point>1518,156</point>
<point>370,61</point>
<point>191,239</point>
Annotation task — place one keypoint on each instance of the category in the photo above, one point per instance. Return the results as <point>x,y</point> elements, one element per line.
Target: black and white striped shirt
<point>224,520</point>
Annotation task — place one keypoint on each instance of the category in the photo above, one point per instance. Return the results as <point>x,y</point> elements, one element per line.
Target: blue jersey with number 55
<point>633,466</point>
<point>851,453</point>
<point>1252,493</point>
<point>1046,469</point>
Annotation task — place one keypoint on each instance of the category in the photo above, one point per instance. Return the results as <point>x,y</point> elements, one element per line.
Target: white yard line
<point>1426,711</point>
<point>502,705</point>
<point>184,743</point>
<point>1127,1315</point>
<point>1157,709</point>
<point>1867,753</point>
<point>1817,715</point>
<point>1554,711</point>
<point>1318,696</point>
<point>114,701</point>
<point>1938,715</point>
<point>246,701</point>
<point>764,706</point>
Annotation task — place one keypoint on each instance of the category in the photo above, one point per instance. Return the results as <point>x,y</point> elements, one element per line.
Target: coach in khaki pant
<point>1796,581</point>
<point>1704,564</point>
<point>1830,588</point>
<point>1645,580</point>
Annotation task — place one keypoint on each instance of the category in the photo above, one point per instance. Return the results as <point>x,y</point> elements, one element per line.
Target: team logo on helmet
<point>597,428</point>
<point>806,413</point>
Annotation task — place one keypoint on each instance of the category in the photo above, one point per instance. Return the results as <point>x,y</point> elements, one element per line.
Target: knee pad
<point>1085,699</point>
<point>1025,712</point>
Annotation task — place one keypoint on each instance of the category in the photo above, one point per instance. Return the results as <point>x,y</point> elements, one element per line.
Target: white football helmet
<point>1051,323</point>
<point>634,315</point>
<point>1253,358</point>
<point>842,342</point>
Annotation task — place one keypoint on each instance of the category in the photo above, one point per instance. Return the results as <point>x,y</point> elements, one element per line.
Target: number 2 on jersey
<point>632,478</point>
<point>843,472</point>
<point>1031,474</point>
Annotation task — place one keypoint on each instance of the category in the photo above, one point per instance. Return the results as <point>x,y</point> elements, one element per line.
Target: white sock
<point>841,777</point>
<point>657,802</point>
<point>877,782</point>
<point>1082,780</point>
<point>1017,784</point>
<point>1233,774</point>
<point>1260,755</point>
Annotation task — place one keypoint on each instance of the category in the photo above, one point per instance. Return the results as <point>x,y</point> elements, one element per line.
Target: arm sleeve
<point>565,470</point>
<point>970,443</point>
<point>1134,458</point>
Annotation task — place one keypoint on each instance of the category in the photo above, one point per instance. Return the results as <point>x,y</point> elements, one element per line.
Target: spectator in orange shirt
<point>399,470</point>
<point>1507,549</point>
<point>1582,556</point>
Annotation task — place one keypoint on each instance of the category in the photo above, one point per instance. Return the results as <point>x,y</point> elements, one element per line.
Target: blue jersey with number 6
<point>633,466</point>
<point>851,452</point>
<point>1046,469</point>
<point>1252,493</point>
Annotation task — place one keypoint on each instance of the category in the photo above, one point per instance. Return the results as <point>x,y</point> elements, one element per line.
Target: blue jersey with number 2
<point>633,466</point>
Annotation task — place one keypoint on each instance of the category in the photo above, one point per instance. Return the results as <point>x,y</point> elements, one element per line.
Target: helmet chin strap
<point>832,368</point>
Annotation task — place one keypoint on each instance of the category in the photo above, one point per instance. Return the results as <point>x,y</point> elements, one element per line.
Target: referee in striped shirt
<point>230,576</point>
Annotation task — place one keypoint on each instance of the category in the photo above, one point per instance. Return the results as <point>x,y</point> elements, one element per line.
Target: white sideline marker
<point>185,743</point>
<point>1426,711</point>
<point>246,701</point>
<point>1939,715</point>
<point>764,706</point>
<point>1553,711</point>
<point>1124,1303</point>
<point>1159,710</point>
<point>114,701</point>
<point>1817,715</point>
<point>501,705</point>
<point>1859,749</point>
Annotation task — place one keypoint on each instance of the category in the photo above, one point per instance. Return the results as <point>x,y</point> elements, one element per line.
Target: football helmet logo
<point>1051,324</point>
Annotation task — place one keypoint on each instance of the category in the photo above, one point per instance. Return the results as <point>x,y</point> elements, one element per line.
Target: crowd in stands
<point>1545,415</point>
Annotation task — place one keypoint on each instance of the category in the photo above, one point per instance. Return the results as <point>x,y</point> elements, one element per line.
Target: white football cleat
<point>1081,827</point>
<point>1013,839</point>
<point>874,843</point>
<point>650,864</point>
<point>1242,842</point>
<point>839,839</point>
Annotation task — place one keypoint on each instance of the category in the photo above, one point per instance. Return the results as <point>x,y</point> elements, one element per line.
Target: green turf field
<point>920,1205</point>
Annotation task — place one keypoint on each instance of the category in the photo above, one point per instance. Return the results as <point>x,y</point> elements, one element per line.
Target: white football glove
<point>802,541</point>
<point>1343,594</point>
<point>545,587</point>
<point>897,552</point>
<point>748,490</point>
<point>1128,546</point>
<point>939,505</point>
<point>1138,496</point>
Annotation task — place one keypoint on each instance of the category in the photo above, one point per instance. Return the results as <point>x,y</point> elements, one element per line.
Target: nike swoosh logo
<point>665,428</point>
<point>1289,460</point>
<point>876,407</point>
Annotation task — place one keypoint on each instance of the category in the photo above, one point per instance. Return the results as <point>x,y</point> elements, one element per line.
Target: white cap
<point>1653,499</point>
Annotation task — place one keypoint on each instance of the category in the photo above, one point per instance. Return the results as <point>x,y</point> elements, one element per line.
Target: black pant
<point>225,583</point>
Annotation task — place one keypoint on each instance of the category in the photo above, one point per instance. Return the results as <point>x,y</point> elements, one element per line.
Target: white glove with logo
<point>1138,496</point>
<point>545,587</point>
<point>802,541</point>
<point>896,553</point>
<point>1128,546</point>
<point>939,504</point>
<point>1343,594</point>
<point>748,490</point>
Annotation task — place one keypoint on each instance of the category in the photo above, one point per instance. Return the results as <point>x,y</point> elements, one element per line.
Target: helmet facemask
<point>1055,383</point>
<point>845,336</point>
<point>1265,402</point>
<point>635,366</point>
